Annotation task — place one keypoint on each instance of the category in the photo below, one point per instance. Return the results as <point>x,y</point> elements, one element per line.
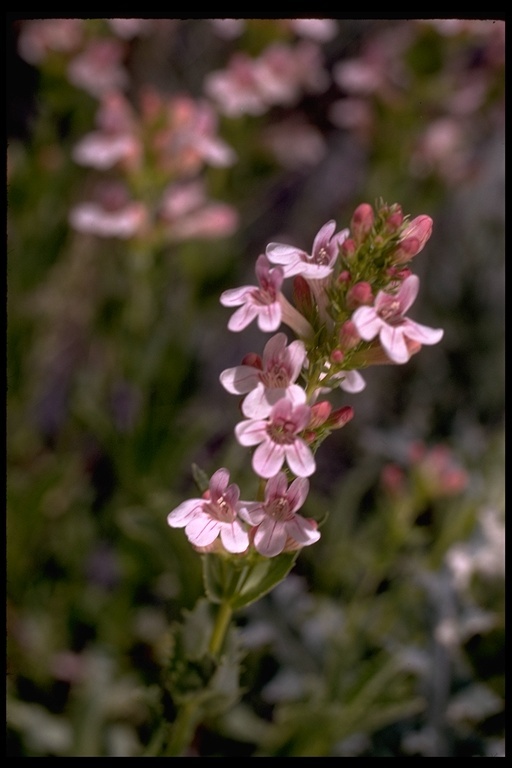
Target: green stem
<point>182,730</point>
<point>220,628</point>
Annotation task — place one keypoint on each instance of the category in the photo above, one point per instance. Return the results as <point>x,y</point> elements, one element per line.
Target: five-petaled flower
<point>386,320</point>
<point>277,438</point>
<point>315,266</point>
<point>268,379</point>
<point>265,302</point>
<point>277,526</point>
<point>214,515</point>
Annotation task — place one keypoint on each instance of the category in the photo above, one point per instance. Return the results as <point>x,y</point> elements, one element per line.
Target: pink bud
<point>394,221</point>
<point>348,248</point>
<point>319,414</point>
<point>360,293</point>
<point>302,297</point>
<point>420,228</point>
<point>392,479</point>
<point>253,360</point>
<point>406,250</point>
<point>337,356</point>
<point>344,277</point>
<point>362,221</point>
<point>340,417</point>
<point>349,337</point>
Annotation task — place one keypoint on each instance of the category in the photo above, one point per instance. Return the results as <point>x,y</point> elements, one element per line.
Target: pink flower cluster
<point>350,299</point>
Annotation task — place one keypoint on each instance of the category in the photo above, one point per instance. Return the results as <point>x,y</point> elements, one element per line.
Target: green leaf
<point>264,576</point>
<point>240,582</point>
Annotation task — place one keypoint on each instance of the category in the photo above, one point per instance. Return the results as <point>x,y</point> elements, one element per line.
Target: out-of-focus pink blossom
<point>112,214</point>
<point>39,37</point>
<point>99,67</point>
<point>130,28</point>
<point>186,212</point>
<point>320,30</point>
<point>235,89</point>
<point>307,148</point>
<point>228,29</point>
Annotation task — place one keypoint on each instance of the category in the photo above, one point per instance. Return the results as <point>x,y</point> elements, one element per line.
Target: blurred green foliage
<point>387,639</point>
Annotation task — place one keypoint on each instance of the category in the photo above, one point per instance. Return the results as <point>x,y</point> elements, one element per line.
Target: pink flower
<point>206,519</point>
<point>277,526</point>
<point>269,379</point>
<point>186,212</point>
<point>277,438</point>
<point>315,266</point>
<point>98,68</point>
<point>264,302</point>
<point>112,214</point>
<point>386,320</point>
<point>236,89</point>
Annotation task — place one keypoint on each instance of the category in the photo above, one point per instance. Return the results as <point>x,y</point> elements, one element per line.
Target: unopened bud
<point>394,221</point>
<point>420,228</point>
<point>302,297</point>
<point>344,277</point>
<point>319,414</point>
<point>362,221</point>
<point>358,294</point>
<point>337,356</point>
<point>253,360</point>
<point>349,336</point>
<point>348,248</point>
<point>406,250</point>
<point>340,417</point>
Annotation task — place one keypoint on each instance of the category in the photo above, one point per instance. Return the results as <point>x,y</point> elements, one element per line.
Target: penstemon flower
<point>277,526</point>
<point>314,266</point>
<point>216,515</point>
<point>386,319</point>
<point>278,439</point>
<point>265,302</point>
<point>268,379</point>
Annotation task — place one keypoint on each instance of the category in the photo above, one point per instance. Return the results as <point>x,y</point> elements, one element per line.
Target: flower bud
<point>344,277</point>
<point>253,360</point>
<point>420,228</point>
<point>358,294</point>
<point>349,337</point>
<point>302,296</point>
<point>362,221</point>
<point>337,356</point>
<point>406,250</point>
<point>348,248</point>
<point>394,221</point>
<point>340,417</point>
<point>319,414</point>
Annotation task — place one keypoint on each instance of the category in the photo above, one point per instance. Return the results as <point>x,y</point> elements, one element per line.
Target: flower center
<point>282,432</point>
<point>390,313</point>
<point>276,377</point>
<point>321,257</point>
<point>265,294</point>
<point>220,510</point>
<point>279,509</point>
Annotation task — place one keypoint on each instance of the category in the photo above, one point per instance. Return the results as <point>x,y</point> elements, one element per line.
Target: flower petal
<point>269,317</point>
<point>251,431</point>
<point>268,459</point>
<point>241,318</point>
<point>302,530</point>
<point>393,342</point>
<point>234,537</point>
<point>297,493</point>
<point>240,379</point>
<point>408,292</point>
<point>236,296</point>
<point>352,382</point>
<point>367,322</point>
<point>422,333</point>
<point>202,531</point>
<point>185,512</point>
<point>270,537</point>
<point>300,458</point>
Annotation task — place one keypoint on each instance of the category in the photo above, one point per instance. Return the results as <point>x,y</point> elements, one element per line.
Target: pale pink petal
<point>274,349</point>
<point>241,317</point>
<point>352,382</point>
<point>268,459</point>
<point>276,487</point>
<point>408,292</point>
<point>259,402</point>
<point>269,317</point>
<point>279,253</point>
<point>234,538</point>
<point>251,432</point>
<point>252,512</point>
<point>300,458</point>
<point>323,236</point>
<point>393,342</point>
<point>421,333</point>
<point>241,379</point>
<point>296,354</point>
<point>270,537</point>
<point>185,512</point>
<point>202,531</point>
<point>296,394</point>
<point>233,297</point>
<point>367,322</point>
<point>297,493</point>
<point>219,482</point>
<point>302,530</point>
